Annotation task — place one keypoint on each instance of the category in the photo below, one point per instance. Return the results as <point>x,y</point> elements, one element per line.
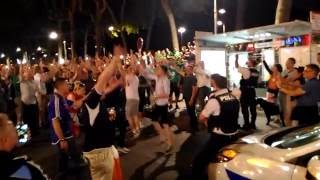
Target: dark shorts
<point>160,114</point>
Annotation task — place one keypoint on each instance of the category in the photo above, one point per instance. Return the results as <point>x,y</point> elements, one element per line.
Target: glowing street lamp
<point>18,49</point>
<point>182,30</point>
<point>2,55</point>
<point>222,11</point>
<point>111,28</point>
<point>220,23</point>
<point>53,35</point>
<point>39,49</point>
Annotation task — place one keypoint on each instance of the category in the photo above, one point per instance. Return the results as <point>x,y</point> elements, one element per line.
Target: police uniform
<point>19,168</point>
<point>222,111</point>
<point>248,83</point>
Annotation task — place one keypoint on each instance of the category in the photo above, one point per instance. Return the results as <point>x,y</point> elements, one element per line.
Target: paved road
<point>147,159</point>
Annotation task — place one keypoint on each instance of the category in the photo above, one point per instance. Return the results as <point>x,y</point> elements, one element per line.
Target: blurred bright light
<point>18,49</point>
<point>268,34</point>
<point>111,28</point>
<point>64,42</point>
<point>33,58</point>
<point>39,48</point>
<point>182,30</point>
<point>56,54</point>
<point>61,61</point>
<point>219,23</point>
<point>45,55</point>
<point>2,55</point>
<point>53,35</point>
<point>222,11</point>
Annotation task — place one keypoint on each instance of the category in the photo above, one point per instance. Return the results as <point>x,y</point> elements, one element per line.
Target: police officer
<point>248,83</point>
<point>220,115</point>
<point>12,167</point>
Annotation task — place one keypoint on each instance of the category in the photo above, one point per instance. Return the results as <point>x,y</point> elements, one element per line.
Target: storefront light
<point>268,34</point>
<point>262,35</point>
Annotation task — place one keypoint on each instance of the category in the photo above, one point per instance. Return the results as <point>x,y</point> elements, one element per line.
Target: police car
<point>286,154</point>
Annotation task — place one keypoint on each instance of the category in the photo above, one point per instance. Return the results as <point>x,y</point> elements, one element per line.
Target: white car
<point>285,154</point>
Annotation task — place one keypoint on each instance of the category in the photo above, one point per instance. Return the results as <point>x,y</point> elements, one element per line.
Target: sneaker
<point>126,149</point>
<point>136,135</point>
<point>169,148</point>
<point>122,150</point>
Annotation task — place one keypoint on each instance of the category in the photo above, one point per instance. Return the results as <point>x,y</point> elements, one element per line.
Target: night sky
<point>26,23</point>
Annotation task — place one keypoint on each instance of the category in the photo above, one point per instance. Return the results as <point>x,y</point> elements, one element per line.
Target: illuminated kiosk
<point>273,43</point>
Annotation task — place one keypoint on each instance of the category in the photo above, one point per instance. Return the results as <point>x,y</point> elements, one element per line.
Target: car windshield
<point>294,137</point>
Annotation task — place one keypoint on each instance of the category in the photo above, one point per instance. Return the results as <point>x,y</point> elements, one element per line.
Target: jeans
<point>192,115</point>
<point>30,117</point>
<point>69,160</point>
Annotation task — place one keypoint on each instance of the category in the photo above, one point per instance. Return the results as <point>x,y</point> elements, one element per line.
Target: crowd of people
<point>99,95</point>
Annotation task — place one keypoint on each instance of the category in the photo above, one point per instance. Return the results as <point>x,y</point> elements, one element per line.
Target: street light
<point>111,28</point>
<point>18,49</point>
<point>181,30</point>
<point>220,23</point>
<point>53,35</point>
<point>39,48</point>
<point>2,55</point>
<point>222,11</point>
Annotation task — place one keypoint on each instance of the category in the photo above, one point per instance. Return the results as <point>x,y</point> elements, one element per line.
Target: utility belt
<point>247,87</point>
<point>218,131</point>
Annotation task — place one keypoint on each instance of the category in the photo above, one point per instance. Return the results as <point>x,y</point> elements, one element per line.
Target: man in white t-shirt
<point>132,104</point>
<point>41,94</point>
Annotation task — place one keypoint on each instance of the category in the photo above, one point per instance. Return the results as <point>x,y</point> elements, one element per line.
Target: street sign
<point>315,21</point>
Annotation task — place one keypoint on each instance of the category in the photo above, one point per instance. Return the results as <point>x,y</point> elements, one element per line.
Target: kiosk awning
<point>262,33</point>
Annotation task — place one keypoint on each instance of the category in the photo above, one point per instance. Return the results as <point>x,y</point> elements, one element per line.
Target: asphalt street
<point>147,160</point>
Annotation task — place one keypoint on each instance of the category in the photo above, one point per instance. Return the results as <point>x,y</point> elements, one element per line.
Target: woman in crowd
<point>269,104</point>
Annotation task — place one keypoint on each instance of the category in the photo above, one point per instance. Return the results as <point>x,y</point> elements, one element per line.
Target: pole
<point>224,28</point>
<point>65,50</point>
<point>181,40</point>
<point>215,16</point>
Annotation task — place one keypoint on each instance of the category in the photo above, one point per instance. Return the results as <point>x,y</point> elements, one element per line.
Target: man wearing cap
<point>220,115</point>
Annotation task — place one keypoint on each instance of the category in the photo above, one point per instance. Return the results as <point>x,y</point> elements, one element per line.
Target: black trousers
<point>248,102</point>
<point>68,160</point>
<point>203,92</point>
<point>208,153</point>
<point>30,117</point>
<point>306,115</point>
<point>174,89</point>
<point>122,124</point>
<point>192,115</point>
